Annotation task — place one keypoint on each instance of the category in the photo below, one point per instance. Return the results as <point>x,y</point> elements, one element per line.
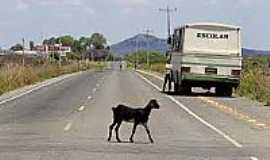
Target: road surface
<point>69,120</point>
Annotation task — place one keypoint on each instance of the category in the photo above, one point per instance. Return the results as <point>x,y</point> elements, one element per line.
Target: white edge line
<point>227,137</point>
<point>151,74</point>
<point>37,88</point>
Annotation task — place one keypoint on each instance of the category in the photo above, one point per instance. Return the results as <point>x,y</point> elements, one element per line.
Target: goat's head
<point>153,104</point>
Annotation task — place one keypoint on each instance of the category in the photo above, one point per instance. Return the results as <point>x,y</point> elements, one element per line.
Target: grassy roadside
<point>13,77</point>
<point>255,79</point>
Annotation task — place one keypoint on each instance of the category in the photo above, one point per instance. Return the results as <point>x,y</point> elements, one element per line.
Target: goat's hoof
<point>119,141</point>
<point>109,139</point>
<point>131,141</point>
<point>152,141</point>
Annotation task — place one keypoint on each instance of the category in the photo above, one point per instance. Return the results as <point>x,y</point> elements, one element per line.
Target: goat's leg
<point>117,131</point>
<point>110,130</point>
<point>133,132</point>
<point>148,132</point>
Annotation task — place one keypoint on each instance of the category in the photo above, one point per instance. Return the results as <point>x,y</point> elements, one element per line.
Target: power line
<point>147,32</point>
<point>23,44</point>
<point>168,11</point>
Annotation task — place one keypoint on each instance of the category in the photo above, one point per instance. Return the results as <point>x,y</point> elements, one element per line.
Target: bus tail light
<point>236,72</point>
<point>185,69</point>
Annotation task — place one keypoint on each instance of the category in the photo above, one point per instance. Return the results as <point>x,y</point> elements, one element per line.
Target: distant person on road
<point>121,66</point>
<point>135,66</point>
<point>167,78</point>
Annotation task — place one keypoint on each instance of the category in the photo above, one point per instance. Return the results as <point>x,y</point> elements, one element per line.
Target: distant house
<point>56,48</point>
<point>96,54</point>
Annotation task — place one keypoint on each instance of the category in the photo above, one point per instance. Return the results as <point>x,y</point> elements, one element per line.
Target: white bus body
<point>206,55</point>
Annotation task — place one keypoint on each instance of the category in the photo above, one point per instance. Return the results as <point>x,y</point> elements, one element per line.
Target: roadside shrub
<point>255,79</point>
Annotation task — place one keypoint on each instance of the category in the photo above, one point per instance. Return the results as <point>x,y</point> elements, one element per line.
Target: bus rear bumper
<point>196,80</point>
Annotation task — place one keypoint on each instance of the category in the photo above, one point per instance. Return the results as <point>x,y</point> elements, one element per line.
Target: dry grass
<point>255,80</point>
<point>12,77</point>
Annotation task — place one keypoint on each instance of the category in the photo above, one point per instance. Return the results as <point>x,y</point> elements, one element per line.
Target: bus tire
<point>228,91</point>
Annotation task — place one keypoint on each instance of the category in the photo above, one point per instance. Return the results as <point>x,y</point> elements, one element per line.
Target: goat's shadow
<point>128,142</point>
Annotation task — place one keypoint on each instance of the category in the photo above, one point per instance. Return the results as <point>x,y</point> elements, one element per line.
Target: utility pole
<point>136,54</point>
<point>53,54</point>
<point>23,43</point>
<point>168,11</point>
<point>60,53</point>
<point>148,31</point>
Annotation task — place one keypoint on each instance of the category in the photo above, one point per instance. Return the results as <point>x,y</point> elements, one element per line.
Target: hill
<point>158,44</point>
<point>141,41</point>
<point>255,52</point>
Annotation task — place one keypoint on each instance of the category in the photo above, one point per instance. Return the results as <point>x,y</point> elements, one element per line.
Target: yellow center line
<point>233,111</point>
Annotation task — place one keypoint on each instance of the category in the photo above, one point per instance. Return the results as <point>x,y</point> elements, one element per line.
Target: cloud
<point>128,6</point>
<point>89,10</point>
<point>251,3</point>
<point>131,3</point>
<point>25,4</point>
<point>20,4</point>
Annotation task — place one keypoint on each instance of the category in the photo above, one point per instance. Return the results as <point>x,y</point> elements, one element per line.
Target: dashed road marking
<point>68,126</point>
<point>261,124</point>
<point>89,97</point>
<point>186,109</point>
<point>252,120</point>
<point>81,108</point>
<point>254,158</point>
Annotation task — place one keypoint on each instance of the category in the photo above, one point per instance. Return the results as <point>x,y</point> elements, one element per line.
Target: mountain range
<point>153,43</point>
<point>139,42</point>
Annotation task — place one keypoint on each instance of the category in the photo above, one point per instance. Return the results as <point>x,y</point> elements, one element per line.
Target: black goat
<point>137,116</point>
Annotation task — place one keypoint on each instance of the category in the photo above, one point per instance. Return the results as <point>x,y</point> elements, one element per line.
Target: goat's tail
<point>113,109</point>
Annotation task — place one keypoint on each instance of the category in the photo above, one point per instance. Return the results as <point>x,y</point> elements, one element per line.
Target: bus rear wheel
<point>181,89</point>
<point>224,91</point>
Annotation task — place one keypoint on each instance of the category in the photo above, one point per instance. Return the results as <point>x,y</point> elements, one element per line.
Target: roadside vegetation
<point>157,60</point>
<point>255,80</point>
<point>255,77</point>
<point>12,77</point>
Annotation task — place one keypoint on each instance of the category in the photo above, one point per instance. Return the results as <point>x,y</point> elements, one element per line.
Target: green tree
<point>141,57</point>
<point>17,47</point>
<point>50,41</point>
<point>66,40</point>
<point>98,41</point>
<point>85,42</point>
<point>77,47</point>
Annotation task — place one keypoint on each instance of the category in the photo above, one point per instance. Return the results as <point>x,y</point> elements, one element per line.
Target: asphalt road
<point>70,119</point>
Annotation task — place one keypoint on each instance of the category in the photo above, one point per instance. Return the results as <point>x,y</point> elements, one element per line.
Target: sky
<point>121,19</point>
